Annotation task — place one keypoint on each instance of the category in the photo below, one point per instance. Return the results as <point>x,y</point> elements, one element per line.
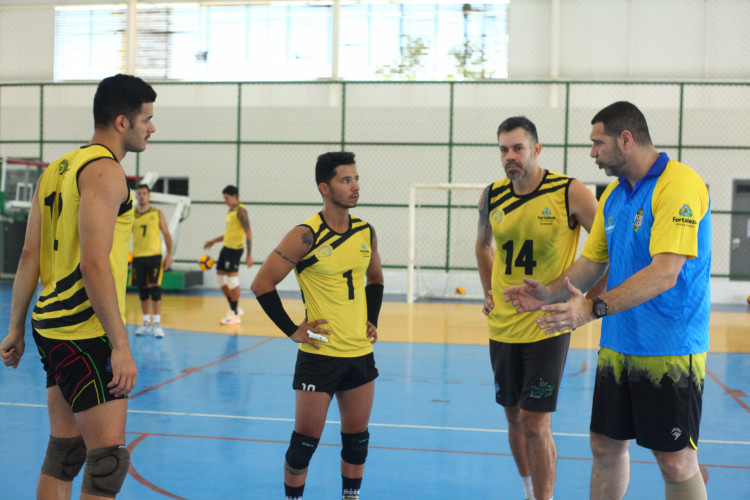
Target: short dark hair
<point>120,95</point>
<point>230,190</point>
<point>515,122</point>
<point>143,186</point>
<point>623,115</point>
<point>325,168</point>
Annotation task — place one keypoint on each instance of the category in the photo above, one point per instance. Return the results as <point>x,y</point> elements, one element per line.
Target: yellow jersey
<point>533,239</point>
<point>147,233</point>
<point>331,277</point>
<point>63,310</point>
<point>234,234</point>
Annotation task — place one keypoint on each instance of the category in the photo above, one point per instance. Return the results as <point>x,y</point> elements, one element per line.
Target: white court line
<point>335,422</point>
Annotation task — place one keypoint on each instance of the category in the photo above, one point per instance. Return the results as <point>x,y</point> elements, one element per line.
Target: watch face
<point>600,308</point>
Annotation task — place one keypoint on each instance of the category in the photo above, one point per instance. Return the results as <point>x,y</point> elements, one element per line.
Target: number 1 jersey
<point>332,279</point>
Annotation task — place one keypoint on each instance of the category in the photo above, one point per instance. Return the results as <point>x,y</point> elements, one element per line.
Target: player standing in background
<point>236,236</point>
<point>653,227</point>
<point>336,261</point>
<point>147,270</point>
<point>77,241</point>
<point>529,223</point>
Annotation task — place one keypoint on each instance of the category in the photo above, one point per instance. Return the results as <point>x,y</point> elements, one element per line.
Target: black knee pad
<point>143,293</point>
<point>106,469</point>
<point>64,458</point>
<point>155,292</point>
<point>354,447</point>
<point>301,449</point>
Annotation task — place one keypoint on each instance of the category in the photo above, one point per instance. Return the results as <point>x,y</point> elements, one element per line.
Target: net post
<point>410,257</point>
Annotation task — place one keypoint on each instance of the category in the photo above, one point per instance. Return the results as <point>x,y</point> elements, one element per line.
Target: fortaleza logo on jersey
<point>546,219</point>
<point>325,251</point>
<point>638,221</point>
<point>609,226</point>
<point>364,250</point>
<point>685,217</point>
<point>497,216</point>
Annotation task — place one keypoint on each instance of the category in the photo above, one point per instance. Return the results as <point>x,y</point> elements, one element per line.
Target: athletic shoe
<point>158,331</point>
<point>231,320</point>
<point>143,329</point>
<point>240,312</point>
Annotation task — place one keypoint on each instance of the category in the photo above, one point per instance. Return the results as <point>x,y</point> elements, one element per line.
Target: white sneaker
<point>143,329</point>
<point>231,320</point>
<point>158,331</point>
<point>240,312</point>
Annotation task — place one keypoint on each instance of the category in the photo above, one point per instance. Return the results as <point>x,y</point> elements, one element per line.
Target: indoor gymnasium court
<point>249,94</point>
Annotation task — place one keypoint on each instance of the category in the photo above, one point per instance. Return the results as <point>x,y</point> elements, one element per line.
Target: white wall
<point>598,39</point>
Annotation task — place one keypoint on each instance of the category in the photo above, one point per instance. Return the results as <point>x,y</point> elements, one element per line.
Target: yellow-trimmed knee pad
<point>106,469</point>
<point>354,447</point>
<point>64,458</point>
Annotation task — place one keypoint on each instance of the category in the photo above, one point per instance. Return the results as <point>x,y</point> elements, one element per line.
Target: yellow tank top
<point>63,310</point>
<point>332,279</point>
<point>234,234</point>
<point>533,239</point>
<point>147,233</point>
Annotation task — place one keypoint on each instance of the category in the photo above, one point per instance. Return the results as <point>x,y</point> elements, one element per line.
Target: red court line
<point>396,448</point>
<point>141,479</point>
<point>735,394</point>
<point>583,369</point>
<point>191,370</point>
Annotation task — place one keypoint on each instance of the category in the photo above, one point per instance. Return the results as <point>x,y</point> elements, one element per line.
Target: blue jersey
<point>668,211</point>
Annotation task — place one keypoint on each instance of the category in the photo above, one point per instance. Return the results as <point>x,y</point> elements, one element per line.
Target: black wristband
<point>274,309</point>
<point>374,295</point>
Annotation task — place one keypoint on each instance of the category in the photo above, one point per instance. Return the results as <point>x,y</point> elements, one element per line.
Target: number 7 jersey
<point>331,277</point>
<point>533,239</point>
<point>63,310</point>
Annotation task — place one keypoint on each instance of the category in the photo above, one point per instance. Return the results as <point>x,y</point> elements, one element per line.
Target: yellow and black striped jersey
<point>331,277</point>
<point>234,234</point>
<point>533,239</point>
<point>63,310</point>
<point>147,233</point>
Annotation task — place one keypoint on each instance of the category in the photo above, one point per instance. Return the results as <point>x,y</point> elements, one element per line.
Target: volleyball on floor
<point>206,262</point>
<point>460,291</point>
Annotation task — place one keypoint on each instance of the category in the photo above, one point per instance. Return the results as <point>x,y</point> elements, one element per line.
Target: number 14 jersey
<point>533,239</point>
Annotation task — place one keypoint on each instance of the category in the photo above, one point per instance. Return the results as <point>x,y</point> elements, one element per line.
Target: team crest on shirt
<point>324,251</point>
<point>497,216</point>
<point>546,218</point>
<point>638,221</point>
<point>364,251</point>
<point>685,217</point>
<point>63,167</point>
<point>609,226</point>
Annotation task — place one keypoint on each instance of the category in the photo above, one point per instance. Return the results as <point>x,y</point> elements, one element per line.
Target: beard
<point>616,167</point>
<point>525,169</point>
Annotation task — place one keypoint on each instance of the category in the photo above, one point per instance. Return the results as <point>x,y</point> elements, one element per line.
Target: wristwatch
<point>600,307</point>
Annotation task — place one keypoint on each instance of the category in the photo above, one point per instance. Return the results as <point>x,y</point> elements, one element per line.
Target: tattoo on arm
<point>249,244</point>
<point>244,220</point>
<point>307,240</point>
<point>484,231</point>
<point>284,257</point>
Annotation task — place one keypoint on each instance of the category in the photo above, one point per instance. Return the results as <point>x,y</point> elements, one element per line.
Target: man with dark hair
<point>236,236</point>
<point>78,322</point>
<point>147,269</point>
<point>335,258</point>
<point>529,223</point>
<point>653,227</point>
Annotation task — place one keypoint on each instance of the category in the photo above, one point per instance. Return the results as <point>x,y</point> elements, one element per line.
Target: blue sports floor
<point>212,414</point>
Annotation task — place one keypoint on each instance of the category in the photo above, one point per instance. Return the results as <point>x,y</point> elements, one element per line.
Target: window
<point>286,41</point>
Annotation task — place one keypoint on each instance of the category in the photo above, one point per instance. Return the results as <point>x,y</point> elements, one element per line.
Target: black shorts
<point>229,259</point>
<point>318,373</point>
<point>80,368</point>
<point>529,373</point>
<point>146,271</point>
<point>655,400</point>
